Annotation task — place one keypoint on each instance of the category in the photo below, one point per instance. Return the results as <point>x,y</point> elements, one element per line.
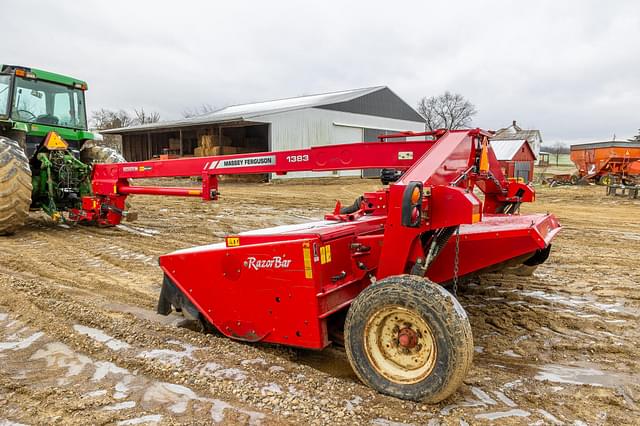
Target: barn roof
<point>506,149</point>
<point>515,132</point>
<point>377,100</point>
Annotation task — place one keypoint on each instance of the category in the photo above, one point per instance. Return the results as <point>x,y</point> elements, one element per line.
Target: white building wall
<point>314,126</point>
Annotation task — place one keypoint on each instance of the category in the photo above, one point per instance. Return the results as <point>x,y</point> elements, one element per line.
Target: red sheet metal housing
<point>285,284</point>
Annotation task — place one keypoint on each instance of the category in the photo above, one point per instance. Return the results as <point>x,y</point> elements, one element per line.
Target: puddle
<point>385,422</point>
<point>120,406</point>
<point>17,345</point>
<point>504,399</point>
<point>253,361</point>
<point>271,388</point>
<point>145,232</point>
<point>583,376</point>
<point>152,418</point>
<point>482,396</point>
<point>124,254</point>
<point>234,374</point>
<point>550,417</point>
<point>122,389</point>
<point>59,355</point>
<point>170,356</point>
<point>502,414</point>
<point>577,301</point>
<point>102,337</point>
<point>352,403</point>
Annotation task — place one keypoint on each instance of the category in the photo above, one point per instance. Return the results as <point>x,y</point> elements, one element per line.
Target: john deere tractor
<point>46,152</point>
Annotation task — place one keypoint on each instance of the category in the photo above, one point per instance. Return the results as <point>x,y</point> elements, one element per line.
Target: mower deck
<point>282,284</point>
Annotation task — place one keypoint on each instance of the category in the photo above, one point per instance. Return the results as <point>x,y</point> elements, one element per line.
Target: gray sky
<point>569,68</point>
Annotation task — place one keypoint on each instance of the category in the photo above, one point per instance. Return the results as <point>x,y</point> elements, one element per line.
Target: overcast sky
<point>568,68</point>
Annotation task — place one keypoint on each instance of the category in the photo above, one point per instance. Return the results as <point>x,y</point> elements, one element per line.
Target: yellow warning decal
<point>306,253</point>
<point>325,254</point>
<point>55,142</point>
<point>233,241</point>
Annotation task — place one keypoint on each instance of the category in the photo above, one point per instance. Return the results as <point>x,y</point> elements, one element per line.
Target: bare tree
<point>446,111</point>
<point>200,110</point>
<point>103,119</point>
<point>143,117</point>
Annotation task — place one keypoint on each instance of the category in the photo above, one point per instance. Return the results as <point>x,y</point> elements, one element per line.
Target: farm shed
<point>293,123</point>
<point>516,158</point>
<point>515,132</point>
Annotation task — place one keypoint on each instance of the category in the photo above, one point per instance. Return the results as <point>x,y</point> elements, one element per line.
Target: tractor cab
<point>34,103</point>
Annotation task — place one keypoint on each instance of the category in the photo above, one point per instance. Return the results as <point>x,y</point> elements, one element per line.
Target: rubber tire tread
<point>100,154</point>
<point>15,186</point>
<point>447,319</point>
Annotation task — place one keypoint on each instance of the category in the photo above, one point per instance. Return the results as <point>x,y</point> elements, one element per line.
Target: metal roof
<point>606,144</point>
<point>246,112</point>
<point>515,132</point>
<point>508,134</point>
<point>505,149</point>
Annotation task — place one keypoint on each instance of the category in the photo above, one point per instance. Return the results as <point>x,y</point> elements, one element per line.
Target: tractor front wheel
<point>408,337</point>
<point>15,186</point>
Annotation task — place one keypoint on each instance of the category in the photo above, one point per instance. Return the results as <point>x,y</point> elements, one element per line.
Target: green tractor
<point>46,152</point>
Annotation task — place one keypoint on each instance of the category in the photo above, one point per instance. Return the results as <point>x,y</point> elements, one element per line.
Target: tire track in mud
<point>544,344</point>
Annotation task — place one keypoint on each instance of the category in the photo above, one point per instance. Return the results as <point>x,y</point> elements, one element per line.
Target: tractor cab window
<point>5,83</point>
<point>37,101</point>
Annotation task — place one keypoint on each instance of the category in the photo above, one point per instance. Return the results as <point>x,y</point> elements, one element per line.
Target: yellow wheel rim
<point>400,345</point>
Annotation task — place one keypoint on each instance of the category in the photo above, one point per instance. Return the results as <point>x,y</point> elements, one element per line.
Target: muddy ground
<point>80,342</point>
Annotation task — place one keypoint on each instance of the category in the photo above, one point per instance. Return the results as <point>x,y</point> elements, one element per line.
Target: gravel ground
<point>80,342</point>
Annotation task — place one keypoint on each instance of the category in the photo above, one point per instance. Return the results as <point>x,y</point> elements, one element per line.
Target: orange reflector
<point>415,195</point>
<point>54,142</point>
<point>484,156</point>
<point>20,73</point>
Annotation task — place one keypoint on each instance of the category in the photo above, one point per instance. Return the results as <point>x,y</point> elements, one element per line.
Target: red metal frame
<point>285,284</point>
<point>111,182</point>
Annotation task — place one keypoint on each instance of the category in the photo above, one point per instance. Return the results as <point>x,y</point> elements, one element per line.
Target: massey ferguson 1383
<point>371,276</point>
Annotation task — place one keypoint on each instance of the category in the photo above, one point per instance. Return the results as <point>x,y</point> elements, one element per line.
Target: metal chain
<point>455,262</point>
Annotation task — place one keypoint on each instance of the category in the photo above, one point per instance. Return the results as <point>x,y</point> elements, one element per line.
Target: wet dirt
<point>80,342</point>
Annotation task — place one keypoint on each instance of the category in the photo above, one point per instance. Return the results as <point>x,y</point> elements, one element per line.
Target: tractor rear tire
<point>15,186</point>
<point>408,337</point>
<point>91,154</point>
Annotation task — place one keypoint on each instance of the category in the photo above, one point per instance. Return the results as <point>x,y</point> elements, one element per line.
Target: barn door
<point>522,169</point>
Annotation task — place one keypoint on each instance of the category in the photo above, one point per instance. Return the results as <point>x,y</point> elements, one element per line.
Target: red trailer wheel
<point>408,337</point>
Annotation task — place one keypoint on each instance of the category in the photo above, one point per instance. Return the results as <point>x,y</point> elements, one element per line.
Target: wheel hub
<point>407,338</point>
<point>400,345</point>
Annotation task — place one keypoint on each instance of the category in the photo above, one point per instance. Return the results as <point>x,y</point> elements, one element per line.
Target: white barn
<point>293,123</point>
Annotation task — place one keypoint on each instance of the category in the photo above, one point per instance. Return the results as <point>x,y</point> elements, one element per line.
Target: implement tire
<point>15,186</point>
<point>408,337</point>
<point>91,154</point>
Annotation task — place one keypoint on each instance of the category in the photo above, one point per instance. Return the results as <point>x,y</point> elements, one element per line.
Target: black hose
<point>354,207</point>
